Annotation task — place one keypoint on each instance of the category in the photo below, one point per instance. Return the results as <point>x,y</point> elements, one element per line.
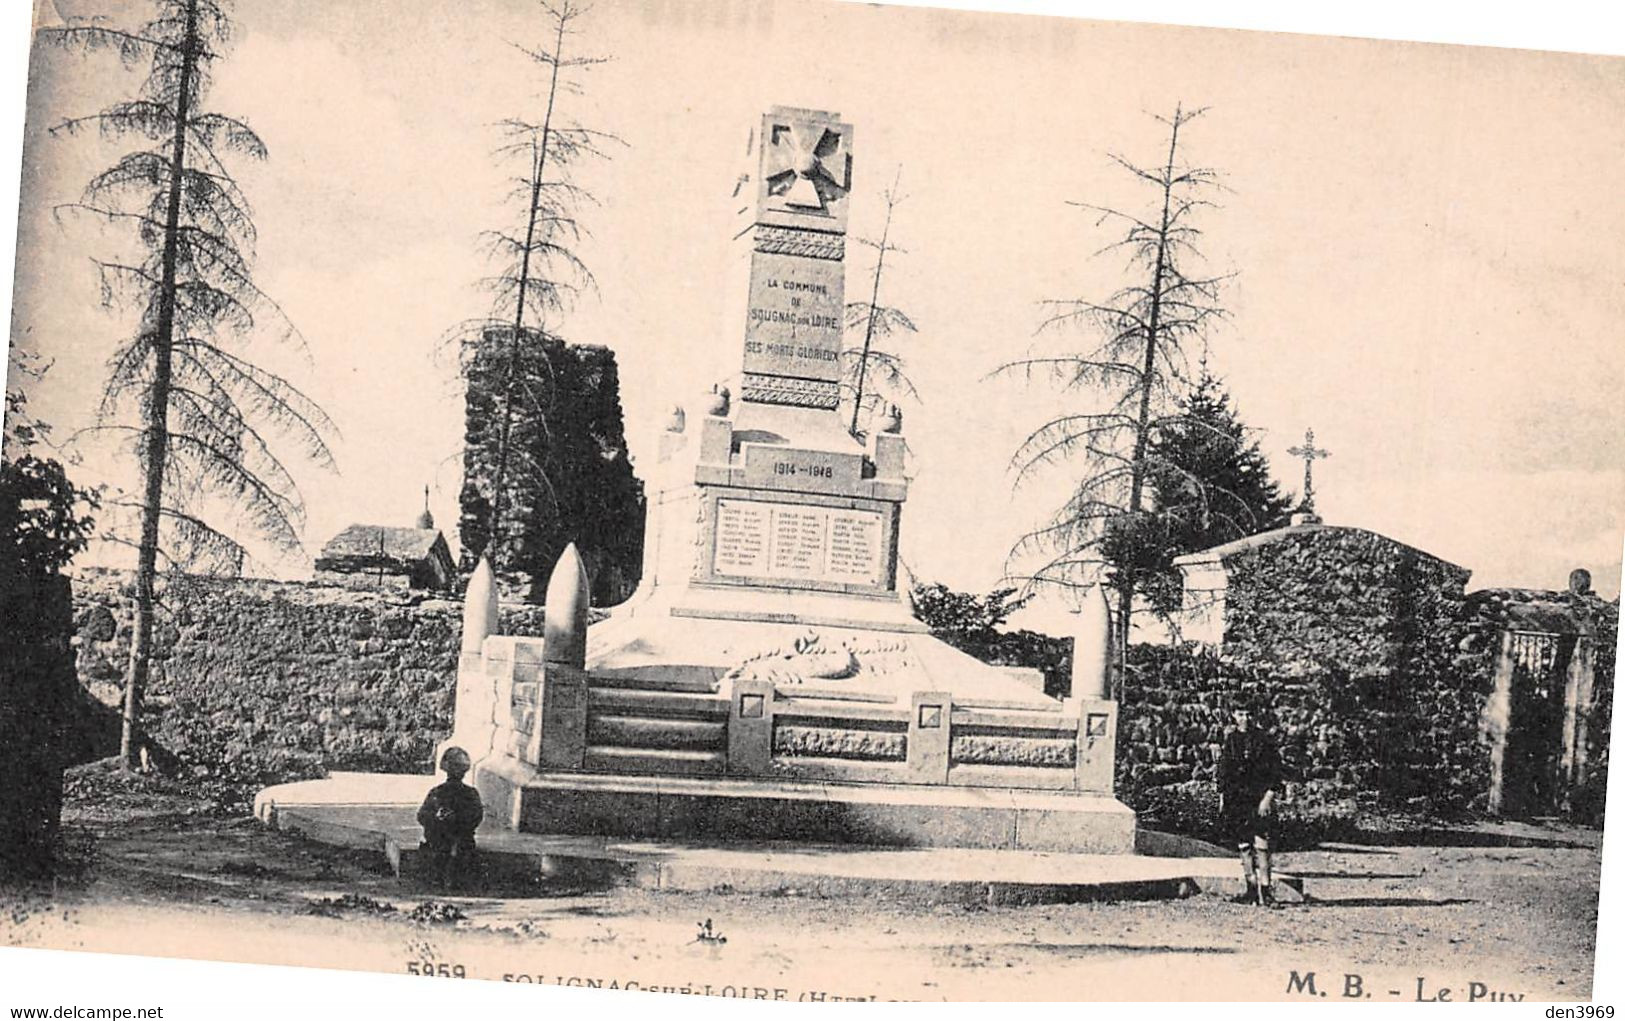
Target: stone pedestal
<point>750,729</point>
<point>929,736</point>
<point>559,740</point>
<point>1097,744</point>
<point>475,725</point>
<point>479,709</point>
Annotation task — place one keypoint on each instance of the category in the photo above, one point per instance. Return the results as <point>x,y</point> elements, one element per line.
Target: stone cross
<point>1310,454</point>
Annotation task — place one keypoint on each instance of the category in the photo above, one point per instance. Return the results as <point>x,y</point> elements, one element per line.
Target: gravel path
<point>1403,921</point>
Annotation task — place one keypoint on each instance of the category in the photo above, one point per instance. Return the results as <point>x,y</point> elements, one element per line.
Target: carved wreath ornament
<point>809,658</point>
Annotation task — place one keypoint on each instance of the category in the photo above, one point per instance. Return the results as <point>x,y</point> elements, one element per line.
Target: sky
<point>1427,243</point>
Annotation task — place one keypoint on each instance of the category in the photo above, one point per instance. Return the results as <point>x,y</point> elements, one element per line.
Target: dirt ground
<point>1395,919</point>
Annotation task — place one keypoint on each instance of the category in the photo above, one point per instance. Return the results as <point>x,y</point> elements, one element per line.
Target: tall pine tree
<point>507,357</point>
<point>207,427</point>
<point>1127,382</point>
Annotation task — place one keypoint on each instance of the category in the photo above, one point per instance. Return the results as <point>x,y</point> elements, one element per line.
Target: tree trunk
<point>1128,580</point>
<point>539,167</point>
<point>869,327</point>
<point>155,414</point>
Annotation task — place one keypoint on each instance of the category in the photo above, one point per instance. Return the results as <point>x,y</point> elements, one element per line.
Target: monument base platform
<point>872,814</point>
<point>375,813</point>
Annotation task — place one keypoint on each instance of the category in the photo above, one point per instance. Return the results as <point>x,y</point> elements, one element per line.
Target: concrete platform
<point>714,809</point>
<point>376,813</point>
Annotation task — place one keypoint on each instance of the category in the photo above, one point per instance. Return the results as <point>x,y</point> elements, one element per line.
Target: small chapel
<point>388,557</point>
<point>1333,592</point>
<point>1520,674</point>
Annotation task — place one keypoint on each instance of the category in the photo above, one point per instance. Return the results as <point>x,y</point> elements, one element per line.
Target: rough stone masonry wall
<point>1343,740</point>
<point>1361,649</point>
<point>1175,708</point>
<point>1343,598</point>
<point>261,681</point>
<point>1383,627</point>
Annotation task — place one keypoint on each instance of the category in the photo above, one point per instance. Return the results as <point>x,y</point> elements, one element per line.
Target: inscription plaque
<point>793,324</point>
<point>831,545</point>
<point>770,466</point>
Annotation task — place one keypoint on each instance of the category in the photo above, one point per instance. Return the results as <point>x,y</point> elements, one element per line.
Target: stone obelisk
<point>797,519</point>
<point>796,306</point>
<point>770,644</point>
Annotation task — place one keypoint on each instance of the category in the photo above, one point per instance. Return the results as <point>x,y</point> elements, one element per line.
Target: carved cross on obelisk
<point>1310,454</point>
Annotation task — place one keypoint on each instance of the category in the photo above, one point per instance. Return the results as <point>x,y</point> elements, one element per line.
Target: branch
<point>97,37</point>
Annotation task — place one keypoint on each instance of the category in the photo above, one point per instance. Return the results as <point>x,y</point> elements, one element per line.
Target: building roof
<point>1227,550</point>
<point>407,545</point>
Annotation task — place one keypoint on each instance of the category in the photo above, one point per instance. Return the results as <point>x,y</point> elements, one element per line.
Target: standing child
<point>1249,773</point>
<point>449,816</point>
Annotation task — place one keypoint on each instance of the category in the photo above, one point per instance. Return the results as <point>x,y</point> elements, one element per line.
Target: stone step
<point>655,704</point>
<point>655,761</point>
<point>377,814</point>
<point>697,684</point>
<point>647,732</point>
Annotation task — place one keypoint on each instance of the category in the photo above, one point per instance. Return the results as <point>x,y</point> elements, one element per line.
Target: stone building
<point>1351,640</point>
<point>379,556</point>
<point>1344,594</point>
<point>1389,679</point>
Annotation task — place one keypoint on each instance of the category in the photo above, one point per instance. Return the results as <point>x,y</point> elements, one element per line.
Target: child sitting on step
<point>449,816</point>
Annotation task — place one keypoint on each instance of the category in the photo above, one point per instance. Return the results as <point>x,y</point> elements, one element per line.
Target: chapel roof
<point>403,544</point>
<point>1225,551</point>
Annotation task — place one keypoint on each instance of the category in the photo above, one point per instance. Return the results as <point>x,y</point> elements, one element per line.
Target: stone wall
<point>1343,598</point>
<point>260,681</point>
<point>1374,673</point>
<point>1361,646</point>
<point>1592,797</point>
<point>1408,741</point>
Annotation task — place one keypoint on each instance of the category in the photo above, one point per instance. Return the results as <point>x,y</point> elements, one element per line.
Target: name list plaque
<point>798,542</point>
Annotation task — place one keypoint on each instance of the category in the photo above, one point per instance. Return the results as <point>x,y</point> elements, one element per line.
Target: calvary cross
<point>1310,454</point>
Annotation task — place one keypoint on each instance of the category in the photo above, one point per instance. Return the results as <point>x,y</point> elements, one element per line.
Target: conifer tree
<point>1129,381</point>
<point>210,422</point>
<point>510,462</point>
<point>1211,484</point>
<point>871,374</point>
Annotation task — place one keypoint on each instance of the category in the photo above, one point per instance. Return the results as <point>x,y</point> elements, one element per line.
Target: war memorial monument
<point>768,680</point>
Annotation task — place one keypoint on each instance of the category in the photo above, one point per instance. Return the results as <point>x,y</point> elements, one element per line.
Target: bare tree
<point>506,471</point>
<point>867,365</point>
<point>209,419</point>
<point>1134,377</point>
